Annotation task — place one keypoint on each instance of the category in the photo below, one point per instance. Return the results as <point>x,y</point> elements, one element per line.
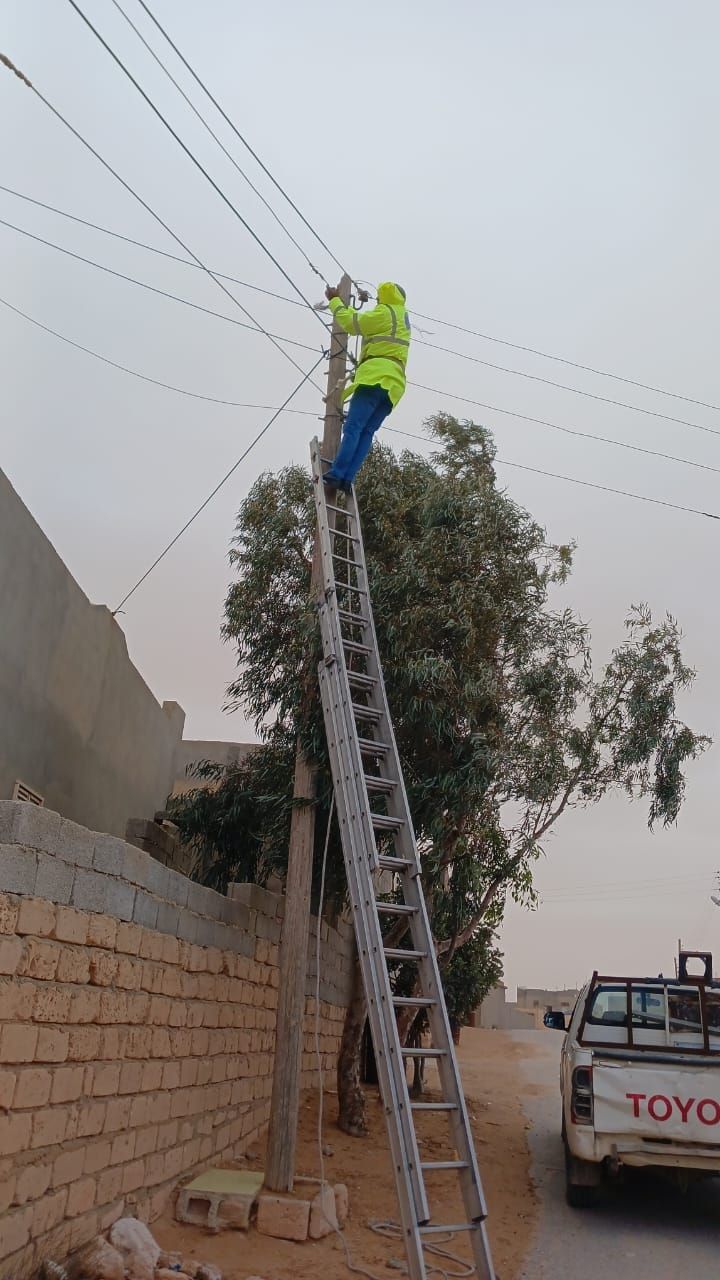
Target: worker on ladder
<point>379,380</point>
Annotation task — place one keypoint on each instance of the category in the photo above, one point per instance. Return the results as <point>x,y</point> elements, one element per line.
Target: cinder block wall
<point>137,1015</point>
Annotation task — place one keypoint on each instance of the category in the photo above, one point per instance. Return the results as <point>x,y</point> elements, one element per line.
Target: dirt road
<point>490,1065</point>
<point>644,1230</point>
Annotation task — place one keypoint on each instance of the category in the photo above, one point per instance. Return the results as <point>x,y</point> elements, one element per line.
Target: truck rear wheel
<point>582,1181</point>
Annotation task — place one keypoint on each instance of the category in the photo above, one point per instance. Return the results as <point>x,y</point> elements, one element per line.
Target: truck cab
<point>640,1077</point>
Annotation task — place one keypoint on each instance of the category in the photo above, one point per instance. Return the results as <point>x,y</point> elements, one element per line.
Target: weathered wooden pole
<point>285,1101</point>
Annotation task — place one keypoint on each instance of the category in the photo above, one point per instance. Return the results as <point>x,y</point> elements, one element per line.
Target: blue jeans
<point>369,408</point>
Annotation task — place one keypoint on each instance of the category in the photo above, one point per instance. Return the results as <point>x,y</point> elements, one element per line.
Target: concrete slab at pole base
<point>219,1198</point>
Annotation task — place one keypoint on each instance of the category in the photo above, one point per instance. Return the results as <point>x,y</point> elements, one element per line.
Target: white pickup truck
<point>640,1078</point>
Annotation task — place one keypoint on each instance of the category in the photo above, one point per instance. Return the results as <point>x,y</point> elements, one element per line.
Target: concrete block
<point>75,844</point>
<point>109,854</point>
<point>120,899</point>
<point>18,866</point>
<point>157,878</point>
<point>168,918</point>
<point>178,887</point>
<point>54,878</point>
<point>28,824</point>
<point>241,916</point>
<point>282,1217</point>
<point>90,890</point>
<point>243,944</point>
<point>136,865</point>
<point>267,928</point>
<point>188,925</point>
<point>204,900</point>
<point>323,1216</point>
<point>145,910</point>
<point>219,1198</point>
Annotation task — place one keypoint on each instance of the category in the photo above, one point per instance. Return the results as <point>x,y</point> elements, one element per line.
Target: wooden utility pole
<point>285,1101</point>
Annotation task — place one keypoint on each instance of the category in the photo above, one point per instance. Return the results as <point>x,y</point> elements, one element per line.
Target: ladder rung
<point>388,863</point>
<point>400,953</point>
<point>434,1106</point>
<point>438,1165</point>
<point>347,586</point>
<point>343,512</point>
<point>355,647</point>
<point>424,1053</point>
<point>340,533</point>
<point>357,563</point>
<point>370,748</point>
<point>361,680</point>
<point>382,822</point>
<point>395,909</point>
<point>366,713</point>
<point>451,1227</point>
<point>413,1002</point>
<point>384,785</point>
<point>355,619</point>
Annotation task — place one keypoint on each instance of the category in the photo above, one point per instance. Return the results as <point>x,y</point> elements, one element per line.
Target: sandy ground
<point>490,1066</point>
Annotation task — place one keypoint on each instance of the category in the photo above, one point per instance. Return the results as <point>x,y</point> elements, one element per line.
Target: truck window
<point>648,1008</point>
<point>712,1004</point>
<point>684,1012</point>
<point>609,1007</point>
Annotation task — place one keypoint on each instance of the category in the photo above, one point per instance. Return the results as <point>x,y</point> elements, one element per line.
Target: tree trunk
<point>351,1099</point>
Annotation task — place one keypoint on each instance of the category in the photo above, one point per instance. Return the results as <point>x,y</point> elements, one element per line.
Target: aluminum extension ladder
<point>379,847</point>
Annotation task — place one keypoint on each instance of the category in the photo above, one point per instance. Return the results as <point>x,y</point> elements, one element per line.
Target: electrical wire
<point>196,162</point>
<point>248,148</point>
<point>588,484</point>
<point>573,364</point>
<point>217,488</point>
<point>563,386</point>
<point>5,61</point>
<point>151,248</point>
<point>215,137</point>
<point>447,350</point>
<point>394,430</point>
<point>164,293</point>
<point>554,426</point>
<point>195,395</point>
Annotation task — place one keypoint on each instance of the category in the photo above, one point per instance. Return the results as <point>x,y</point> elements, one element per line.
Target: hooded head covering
<point>391,292</point>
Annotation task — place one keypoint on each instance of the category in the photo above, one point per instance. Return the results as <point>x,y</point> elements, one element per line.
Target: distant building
<point>539,999</point>
<point>524,1014</point>
<point>191,752</point>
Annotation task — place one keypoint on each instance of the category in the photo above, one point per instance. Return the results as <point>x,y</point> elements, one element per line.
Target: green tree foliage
<point>501,721</point>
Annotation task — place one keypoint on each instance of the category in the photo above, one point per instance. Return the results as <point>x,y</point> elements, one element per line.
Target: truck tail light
<point>581,1097</point>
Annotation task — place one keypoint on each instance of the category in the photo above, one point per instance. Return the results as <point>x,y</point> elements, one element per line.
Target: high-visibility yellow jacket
<point>386,340</point>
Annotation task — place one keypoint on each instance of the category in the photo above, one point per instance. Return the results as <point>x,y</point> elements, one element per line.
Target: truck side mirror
<point>555,1021</point>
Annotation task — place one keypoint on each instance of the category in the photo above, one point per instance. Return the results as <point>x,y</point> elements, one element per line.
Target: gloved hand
<point>331,293</point>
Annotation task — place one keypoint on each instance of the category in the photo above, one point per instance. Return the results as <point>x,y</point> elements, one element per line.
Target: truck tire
<point>582,1181</point>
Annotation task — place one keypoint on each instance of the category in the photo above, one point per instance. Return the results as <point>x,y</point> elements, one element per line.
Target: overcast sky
<point>544,173</point>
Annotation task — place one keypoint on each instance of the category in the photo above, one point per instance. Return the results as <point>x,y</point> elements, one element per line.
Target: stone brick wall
<point>137,1015</point>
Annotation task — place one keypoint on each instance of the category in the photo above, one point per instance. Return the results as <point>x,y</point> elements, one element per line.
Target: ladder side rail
<point>406,841</point>
<point>372,977</point>
<point>377,979</point>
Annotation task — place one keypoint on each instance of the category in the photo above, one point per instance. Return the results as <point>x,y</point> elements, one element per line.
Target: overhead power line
<point>190,154</point>
<point>588,484</point>
<point>136,196</point>
<point>447,350</point>
<point>194,395</point>
<point>543,422</point>
<point>563,386</point>
<point>215,137</point>
<point>583,435</point>
<point>217,488</point>
<point>394,430</point>
<point>245,143</point>
<point>143,284</point>
<point>151,248</point>
<point>573,364</point>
